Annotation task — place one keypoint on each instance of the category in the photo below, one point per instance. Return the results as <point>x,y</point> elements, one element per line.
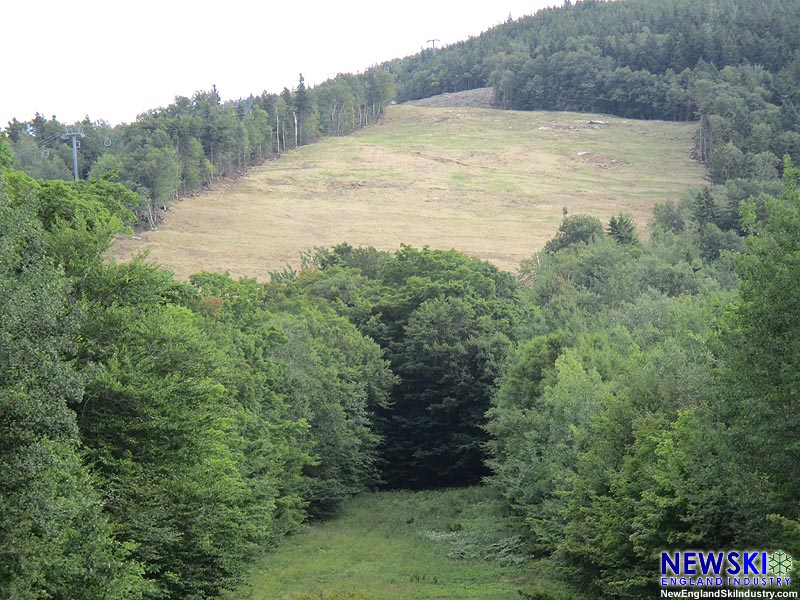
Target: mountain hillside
<point>490,183</point>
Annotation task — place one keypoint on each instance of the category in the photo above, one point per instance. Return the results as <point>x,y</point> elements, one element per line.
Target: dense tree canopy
<point>445,323</point>
<point>56,542</point>
<point>157,435</point>
<point>649,374</point>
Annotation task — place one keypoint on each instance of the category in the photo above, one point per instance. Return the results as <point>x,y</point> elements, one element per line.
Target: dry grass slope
<point>490,183</point>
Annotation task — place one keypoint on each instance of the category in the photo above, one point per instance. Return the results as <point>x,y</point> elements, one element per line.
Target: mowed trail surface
<point>486,182</point>
<point>448,544</point>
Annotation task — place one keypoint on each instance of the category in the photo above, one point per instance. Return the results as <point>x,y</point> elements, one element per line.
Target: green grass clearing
<point>402,545</point>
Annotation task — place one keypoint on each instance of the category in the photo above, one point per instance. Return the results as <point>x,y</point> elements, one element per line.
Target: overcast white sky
<point>113,60</point>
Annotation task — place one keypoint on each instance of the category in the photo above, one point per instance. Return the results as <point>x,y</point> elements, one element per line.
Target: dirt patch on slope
<point>477,98</point>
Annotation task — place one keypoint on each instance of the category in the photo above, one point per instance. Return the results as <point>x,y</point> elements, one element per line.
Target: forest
<point>184,148</point>
<point>622,395</point>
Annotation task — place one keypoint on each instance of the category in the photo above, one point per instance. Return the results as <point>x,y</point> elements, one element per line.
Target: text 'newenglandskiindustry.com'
<point>684,593</point>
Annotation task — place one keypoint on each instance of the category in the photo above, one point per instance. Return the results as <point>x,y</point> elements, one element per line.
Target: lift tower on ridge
<point>75,145</point>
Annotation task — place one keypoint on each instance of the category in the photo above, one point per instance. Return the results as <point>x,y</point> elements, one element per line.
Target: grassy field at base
<point>401,545</point>
<point>489,183</point>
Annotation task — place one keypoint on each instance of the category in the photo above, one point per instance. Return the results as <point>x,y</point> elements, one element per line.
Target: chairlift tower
<point>75,145</point>
<point>433,42</point>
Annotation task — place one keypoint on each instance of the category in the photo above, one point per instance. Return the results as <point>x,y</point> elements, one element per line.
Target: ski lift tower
<point>75,145</point>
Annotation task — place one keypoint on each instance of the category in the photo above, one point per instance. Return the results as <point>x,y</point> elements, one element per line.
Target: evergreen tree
<point>301,102</point>
<point>623,230</point>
